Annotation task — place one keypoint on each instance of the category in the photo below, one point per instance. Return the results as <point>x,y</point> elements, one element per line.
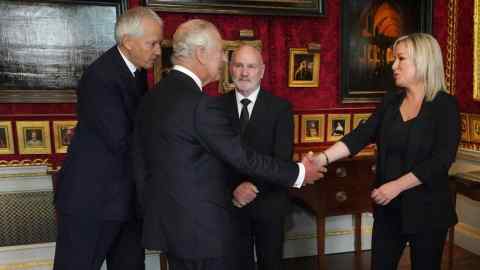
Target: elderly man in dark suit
<point>185,145</point>
<point>95,195</point>
<point>266,124</point>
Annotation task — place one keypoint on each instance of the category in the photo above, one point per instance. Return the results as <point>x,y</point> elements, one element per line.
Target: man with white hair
<point>95,196</point>
<point>185,151</point>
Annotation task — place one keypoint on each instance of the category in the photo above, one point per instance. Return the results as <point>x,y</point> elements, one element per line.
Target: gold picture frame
<point>304,68</point>
<point>296,119</point>
<point>464,127</point>
<point>225,84</point>
<point>359,118</point>
<point>476,51</point>
<point>164,64</point>
<point>33,137</point>
<point>313,128</point>
<point>6,138</point>
<point>338,126</point>
<point>474,127</point>
<point>62,134</point>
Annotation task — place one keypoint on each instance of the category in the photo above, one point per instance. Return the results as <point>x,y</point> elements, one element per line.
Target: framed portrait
<point>474,127</point>
<point>296,124</point>
<point>6,138</point>
<point>226,83</point>
<point>313,128</point>
<point>303,68</point>
<point>33,137</point>
<point>63,132</point>
<point>359,118</point>
<point>368,31</point>
<point>164,63</point>
<point>46,45</point>
<point>338,126</point>
<point>476,50</point>
<point>242,7</point>
<point>464,127</point>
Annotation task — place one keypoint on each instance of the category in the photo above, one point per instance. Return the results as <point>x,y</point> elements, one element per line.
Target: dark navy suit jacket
<point>185,143</point>
<point>96,179</point>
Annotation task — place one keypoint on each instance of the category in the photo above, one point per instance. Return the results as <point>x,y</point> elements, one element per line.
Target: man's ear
<point>127,42</point>
<point>201,54</point>
<point>262,68</point>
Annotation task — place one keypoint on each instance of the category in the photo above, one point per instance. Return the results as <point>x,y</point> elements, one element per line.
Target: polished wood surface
<point>468,184</point>
<point>345,190</point>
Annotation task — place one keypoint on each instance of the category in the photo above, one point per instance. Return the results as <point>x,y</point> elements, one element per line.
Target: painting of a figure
<point>369,29</point>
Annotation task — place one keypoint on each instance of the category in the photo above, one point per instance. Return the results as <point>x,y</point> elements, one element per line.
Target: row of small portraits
<point>311,127</point>
<point>470,127</point>
<point>33,137</point>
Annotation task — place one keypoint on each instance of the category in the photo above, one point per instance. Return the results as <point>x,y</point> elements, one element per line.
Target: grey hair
<point>189,35</point>
<point>428,61</point>
<point>130,22</point>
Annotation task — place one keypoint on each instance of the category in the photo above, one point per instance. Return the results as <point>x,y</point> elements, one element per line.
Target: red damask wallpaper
<point>278,34</point>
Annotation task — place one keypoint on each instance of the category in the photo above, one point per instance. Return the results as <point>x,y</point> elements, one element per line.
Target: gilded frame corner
<point>28,143</point>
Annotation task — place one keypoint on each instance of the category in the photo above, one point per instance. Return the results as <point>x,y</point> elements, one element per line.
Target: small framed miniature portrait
<point>338,126</point>
<point>464,127</point>
<point>359,118</point>
<point>63,132</point>
<point>313,128</point>
<point>304,68</point>
<point>33,137</point>
<point>6,138</point>
<point>296,126</point>
<point>474,127</point>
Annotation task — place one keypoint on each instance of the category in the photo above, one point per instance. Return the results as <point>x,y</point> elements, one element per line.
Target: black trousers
<point>220,263</point>
<point>388,243</point>
<point>263,228</point>
<point>84,243</point>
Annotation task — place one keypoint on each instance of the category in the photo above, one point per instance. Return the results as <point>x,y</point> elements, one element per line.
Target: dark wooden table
<point>345,190</point>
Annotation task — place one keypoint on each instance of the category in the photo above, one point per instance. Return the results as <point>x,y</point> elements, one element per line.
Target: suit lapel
<point>232,106</point>
<point>386,122</point>
<point>417,131</point>
<point>258,112</point>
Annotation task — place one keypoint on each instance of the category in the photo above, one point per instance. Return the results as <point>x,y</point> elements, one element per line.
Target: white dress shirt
<point>253,98</point>
<point>130,66</point>
<point>190,74</point>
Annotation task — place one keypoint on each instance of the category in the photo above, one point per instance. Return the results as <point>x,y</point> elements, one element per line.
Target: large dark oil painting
<point>46,45</point>
<point>369,28</point>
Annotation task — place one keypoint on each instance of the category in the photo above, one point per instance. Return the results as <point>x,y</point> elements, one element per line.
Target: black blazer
<point>184,141</point>
<point>433,140</point>
<point>270,132</point>
<point>95,178</point>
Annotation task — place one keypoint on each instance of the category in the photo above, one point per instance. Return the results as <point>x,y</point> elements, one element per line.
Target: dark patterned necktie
<point>244,117</point>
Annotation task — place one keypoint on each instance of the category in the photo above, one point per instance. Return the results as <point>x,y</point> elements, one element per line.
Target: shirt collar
<point>252,97</point>
<point>190,74</point>
<point>130,66</point>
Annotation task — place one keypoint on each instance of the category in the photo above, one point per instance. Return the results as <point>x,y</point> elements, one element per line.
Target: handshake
<point>314,167</point>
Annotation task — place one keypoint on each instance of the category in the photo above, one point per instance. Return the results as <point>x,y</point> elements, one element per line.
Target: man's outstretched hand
<point>313,170</point>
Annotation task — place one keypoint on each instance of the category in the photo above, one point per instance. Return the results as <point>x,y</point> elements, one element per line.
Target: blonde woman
<point>417,131</point>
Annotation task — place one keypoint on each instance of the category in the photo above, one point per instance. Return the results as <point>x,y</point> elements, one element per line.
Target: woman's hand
<point>386,192</point>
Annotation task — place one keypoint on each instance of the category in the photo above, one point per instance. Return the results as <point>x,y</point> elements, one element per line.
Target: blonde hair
<point>428,61</point>
<point>130,22</point>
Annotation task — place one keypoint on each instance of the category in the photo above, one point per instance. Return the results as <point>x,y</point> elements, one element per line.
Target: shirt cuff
<point>301,176</point>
